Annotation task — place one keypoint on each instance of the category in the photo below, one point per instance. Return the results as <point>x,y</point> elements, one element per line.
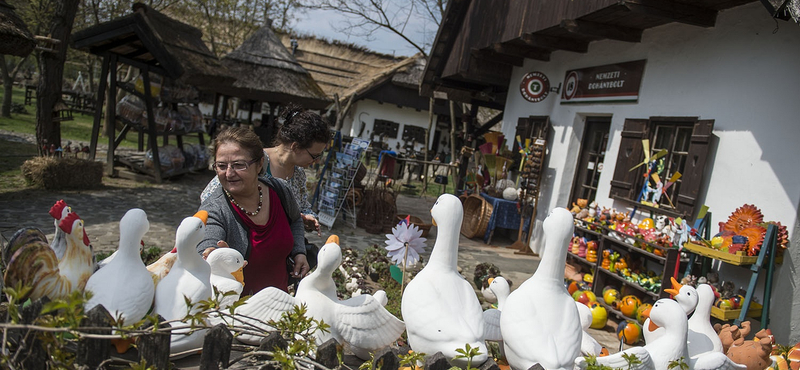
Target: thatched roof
<point>338,67</point>
<point>15,39</point>
<point>148,38</point>
<point>403,73</point>
<point>266,71</point>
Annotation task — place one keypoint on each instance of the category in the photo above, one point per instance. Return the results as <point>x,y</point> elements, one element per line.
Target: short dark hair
<point>241,136</point>
<point>302,126</point>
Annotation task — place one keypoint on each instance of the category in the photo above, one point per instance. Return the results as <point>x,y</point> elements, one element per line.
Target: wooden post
<point>92,352</point>
<point>111,113</point>
<point>33,355</point>
<point>453,170</point>
<point>216,348</point>
<point>98,113</point>
<point>427,143</point>
<point>154,347</point>
<point>152,134</point>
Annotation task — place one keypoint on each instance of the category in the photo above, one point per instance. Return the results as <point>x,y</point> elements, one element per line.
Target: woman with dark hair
<point>299,143</point>
<point>256,216</point>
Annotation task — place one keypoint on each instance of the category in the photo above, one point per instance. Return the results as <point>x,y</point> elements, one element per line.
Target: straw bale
<point>62,173</point>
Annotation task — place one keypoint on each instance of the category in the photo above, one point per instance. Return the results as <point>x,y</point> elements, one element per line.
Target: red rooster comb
<point>57,209</point>
<point>66,224</point>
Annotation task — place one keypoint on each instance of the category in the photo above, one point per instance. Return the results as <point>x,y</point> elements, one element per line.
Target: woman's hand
<point>220,244</point>
<point>311,223</point>
<point>301,266</point>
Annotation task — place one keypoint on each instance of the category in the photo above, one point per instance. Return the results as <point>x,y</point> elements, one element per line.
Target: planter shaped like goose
<point>440,308</point>
<point>361,323</point>
<point>189,277</point>
<point>540,322</point>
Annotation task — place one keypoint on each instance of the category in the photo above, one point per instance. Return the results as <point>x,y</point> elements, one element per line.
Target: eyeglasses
<point>313,157</point>
<point>237,166</point>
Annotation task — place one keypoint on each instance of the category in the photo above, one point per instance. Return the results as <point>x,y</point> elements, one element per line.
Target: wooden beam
<point>674,12</point>
<point>497,57</point>
<point>443,44</point>
<point>114,44</point>
<point>601,30</point>
<point>486,126</point>
<point>555,43</point>
<point>522,51</point>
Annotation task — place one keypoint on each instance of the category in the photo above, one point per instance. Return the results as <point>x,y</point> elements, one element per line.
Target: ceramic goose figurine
<point>540,322</point>
<point>589,346</point>
<point>125,289</point>
<point>491,317</point>
<point>440,308</point>
<point>190,276</point>
<point>702,337</point>
<point>360,322</point>
<point>685,295</point>
<point>227,275</point>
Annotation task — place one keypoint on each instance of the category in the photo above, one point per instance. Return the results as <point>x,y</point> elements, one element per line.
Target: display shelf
<point>634,249</point>
<point>337,180</point>
<point>589,231</point>
<point>754,311</point>
<point>667,212</point>
<point>738,259</point>
<point>580,259</point>
<point>629,283</point>
<point>615,311</point>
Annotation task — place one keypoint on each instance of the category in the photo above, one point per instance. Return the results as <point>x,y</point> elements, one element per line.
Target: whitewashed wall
<point>743,73</point>
<point>368,111</point>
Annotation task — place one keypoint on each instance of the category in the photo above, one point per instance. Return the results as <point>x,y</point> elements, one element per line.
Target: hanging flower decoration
<point>405,235</point>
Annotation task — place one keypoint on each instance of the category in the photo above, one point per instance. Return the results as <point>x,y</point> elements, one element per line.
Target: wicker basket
<point>418,222</point>
<point>477,212</point>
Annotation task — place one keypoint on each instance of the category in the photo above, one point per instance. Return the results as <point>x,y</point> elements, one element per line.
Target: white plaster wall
<point>739,73</point>
<point>370,110</point>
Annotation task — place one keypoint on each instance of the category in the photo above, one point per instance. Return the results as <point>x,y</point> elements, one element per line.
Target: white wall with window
<point>366,112</point>
<point>743,75</point>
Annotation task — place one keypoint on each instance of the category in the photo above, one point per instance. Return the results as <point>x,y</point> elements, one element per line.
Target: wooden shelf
<point>636,249</point>
<point>581,259</point>
<point>587,231</point>
<point>664,211</point>
<point>636,286</point>
<point>615,311</point>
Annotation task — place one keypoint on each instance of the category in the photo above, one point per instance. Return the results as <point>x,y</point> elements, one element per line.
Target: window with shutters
<point>686,141</point>
<point>413,133</point>
<point>386,128</point>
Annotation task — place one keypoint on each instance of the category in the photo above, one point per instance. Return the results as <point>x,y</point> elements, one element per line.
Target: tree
<point>51,71</point>
<point>364,17</point>
<point>10,68</point>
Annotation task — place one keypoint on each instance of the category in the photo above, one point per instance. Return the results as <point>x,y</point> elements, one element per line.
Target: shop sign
<point>609,83</point>
<point>534,87</point>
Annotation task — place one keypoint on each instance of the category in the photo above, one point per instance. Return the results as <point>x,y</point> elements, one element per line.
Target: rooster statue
<point>34,263</point>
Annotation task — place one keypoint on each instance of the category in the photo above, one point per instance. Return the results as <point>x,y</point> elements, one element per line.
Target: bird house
<point>61,112</point>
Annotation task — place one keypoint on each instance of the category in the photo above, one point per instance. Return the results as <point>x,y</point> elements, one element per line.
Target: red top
<point>271,244</point>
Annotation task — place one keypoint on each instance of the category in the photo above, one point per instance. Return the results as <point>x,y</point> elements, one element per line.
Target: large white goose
<point>685,295</point>
<point>361,322</point>
<point>190,277</point>
<point>491,317</point>
<point>540,322</point>
<point>440,308</point>
<point>702,337</point>
<point>226,274</point>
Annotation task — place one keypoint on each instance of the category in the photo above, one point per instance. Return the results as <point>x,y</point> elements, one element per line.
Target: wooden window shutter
<point>695,167</point>
<point>623,185</point>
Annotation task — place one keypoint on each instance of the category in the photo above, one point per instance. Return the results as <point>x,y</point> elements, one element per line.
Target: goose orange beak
<point>676,287</point>
<point>490,280</point>
<point>203,215</point>
<point>239,274</point>
<point>652,326</point>
<point>333,239</point>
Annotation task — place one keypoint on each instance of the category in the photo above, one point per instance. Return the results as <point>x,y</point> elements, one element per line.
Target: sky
<point>323,23</point>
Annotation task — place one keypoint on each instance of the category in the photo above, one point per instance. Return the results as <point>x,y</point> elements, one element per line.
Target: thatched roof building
<point>15,39</point>
<point>266,71</point>
<point>148,38</point>
<point>338,67</point>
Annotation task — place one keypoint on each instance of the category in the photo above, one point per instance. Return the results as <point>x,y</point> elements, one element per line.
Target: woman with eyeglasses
<point>257,214</point>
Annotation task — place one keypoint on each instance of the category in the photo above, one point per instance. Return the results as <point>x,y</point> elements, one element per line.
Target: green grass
<point>79,129</point>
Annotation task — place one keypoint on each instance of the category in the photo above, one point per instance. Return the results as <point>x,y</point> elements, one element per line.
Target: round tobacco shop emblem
<point>534,87</point>
<point>570,85</point>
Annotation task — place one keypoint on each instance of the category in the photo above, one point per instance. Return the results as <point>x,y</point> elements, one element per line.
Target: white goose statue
<point>491,317</point>
<point>226,274</point>
<point>361,322</point>
<point>702,337</point>
<point>440,308</point>
<point>685,295</point>
<point>589,346</point>
<point>540,322</point>
<point>189,277</point>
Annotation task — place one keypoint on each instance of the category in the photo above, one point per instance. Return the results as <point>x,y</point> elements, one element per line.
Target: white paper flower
<point>405,234</point>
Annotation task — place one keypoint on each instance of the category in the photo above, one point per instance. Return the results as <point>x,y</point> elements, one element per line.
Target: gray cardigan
<point>225,224</point>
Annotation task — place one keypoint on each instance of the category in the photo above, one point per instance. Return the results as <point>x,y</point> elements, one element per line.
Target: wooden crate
<point>754,311</point>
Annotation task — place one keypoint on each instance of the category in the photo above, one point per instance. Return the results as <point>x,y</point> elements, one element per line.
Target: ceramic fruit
<point>724,304</point>
<point>629,331</point>
<point>629,304</point>
<point>610,296</point>
<point>599,315</point>
<point>643,312</point>
<point>647,223</point>
<point>573,287</point>
<point>584,296</point>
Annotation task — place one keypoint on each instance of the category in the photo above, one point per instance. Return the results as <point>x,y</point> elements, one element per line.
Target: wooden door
<point>590,159</point>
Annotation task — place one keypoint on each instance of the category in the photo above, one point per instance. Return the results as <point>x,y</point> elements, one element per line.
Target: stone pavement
<point>168,203</point>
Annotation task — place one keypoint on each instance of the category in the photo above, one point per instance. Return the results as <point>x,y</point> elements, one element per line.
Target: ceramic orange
<point>573,287</point>
<point>629,304</point>
<point>629,331</point>
<point>643,312</point>
<point>599,315</point>
<point>610,296</point>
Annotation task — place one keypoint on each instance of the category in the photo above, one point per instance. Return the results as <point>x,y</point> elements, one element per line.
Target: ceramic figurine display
<point>440,308</point>
<point>189,277</point>
<point>499,286</point>
<point>540,323</point>
<point>227,275</point>
<point>361,323</point>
